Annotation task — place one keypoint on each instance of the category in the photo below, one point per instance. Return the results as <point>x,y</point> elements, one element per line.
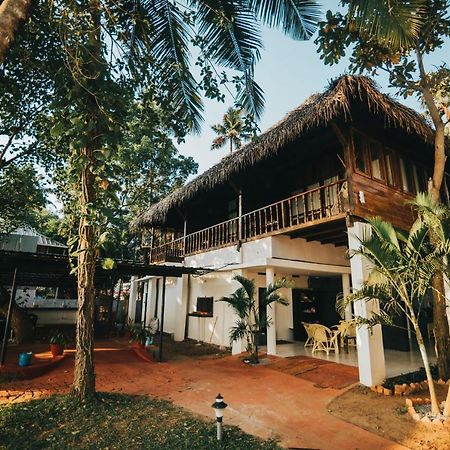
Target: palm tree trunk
<point>231,146</point>
<point>426,363</point>
<point>12,12</point>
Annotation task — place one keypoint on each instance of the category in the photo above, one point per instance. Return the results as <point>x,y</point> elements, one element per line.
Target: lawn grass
<point>116,421</point>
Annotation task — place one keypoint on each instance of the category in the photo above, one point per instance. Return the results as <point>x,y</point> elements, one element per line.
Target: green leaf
<point>108,264</point>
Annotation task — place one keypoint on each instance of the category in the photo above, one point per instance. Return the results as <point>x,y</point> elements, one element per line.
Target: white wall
<point>214,329</point>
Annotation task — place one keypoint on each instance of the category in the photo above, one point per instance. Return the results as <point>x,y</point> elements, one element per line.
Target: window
<point>376,160</point>
<point>391,168</point>
<point>205,306</point>
<point>360,154</point>
<point>408,183</point>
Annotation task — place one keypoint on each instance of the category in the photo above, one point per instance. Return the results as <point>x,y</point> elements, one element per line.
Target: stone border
<point>37,368</point>
<point>405,389</point>
<point>419,417</point>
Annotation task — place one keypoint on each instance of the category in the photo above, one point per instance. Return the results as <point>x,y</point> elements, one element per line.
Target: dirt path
<point>263,402</point>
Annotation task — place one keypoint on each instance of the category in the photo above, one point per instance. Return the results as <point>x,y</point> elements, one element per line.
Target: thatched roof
<point>318,110</point>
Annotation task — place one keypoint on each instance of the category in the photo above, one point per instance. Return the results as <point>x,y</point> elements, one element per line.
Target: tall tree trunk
<point>440,320</point>
<point>441,331</point>
<point>12,12</point>
<point>84,376</point>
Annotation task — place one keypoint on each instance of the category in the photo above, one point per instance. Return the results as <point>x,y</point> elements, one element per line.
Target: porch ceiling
<point>333,232</point>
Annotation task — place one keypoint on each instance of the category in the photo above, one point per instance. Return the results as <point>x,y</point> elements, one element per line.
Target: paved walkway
<point>262,401</point>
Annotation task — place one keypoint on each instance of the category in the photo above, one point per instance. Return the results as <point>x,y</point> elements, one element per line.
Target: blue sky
<point>289,71</point>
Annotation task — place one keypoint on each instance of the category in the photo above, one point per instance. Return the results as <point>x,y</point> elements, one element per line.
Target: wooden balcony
<point>306,209</point>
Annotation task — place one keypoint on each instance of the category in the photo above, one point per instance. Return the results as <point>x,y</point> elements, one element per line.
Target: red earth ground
<point>262,401</point>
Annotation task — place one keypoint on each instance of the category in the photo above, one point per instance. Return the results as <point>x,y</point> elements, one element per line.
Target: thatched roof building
<point>317,111</point>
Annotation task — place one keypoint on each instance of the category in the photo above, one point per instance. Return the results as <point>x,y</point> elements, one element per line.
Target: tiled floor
<point>396,362</point>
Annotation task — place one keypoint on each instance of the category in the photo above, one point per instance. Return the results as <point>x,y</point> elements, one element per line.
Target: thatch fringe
<point>318,110</point>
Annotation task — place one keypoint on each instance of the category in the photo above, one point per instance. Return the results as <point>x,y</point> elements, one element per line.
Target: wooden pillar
<point>271,317</point>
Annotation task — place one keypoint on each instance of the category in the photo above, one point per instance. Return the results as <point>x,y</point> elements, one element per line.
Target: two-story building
<point>292,203</point>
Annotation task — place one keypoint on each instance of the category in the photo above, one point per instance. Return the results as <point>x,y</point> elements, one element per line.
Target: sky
<point>289,72</point>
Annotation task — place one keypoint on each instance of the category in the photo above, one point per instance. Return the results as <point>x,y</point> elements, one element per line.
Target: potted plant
<point>139,335</point>
<point>57,343</point>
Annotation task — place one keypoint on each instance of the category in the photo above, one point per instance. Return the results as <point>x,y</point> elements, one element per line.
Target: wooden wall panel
<point>381,200</point>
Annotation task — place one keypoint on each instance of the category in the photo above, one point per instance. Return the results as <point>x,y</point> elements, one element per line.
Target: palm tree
<point>252,317</point>
<point>404,265</point>
<point>232,129</point>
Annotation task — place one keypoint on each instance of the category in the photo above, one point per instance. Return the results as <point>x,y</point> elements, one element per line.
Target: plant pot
<point>57,349</point>
<point>25,359</point>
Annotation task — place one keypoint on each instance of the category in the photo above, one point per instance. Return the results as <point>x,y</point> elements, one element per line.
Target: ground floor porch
<point>396,362</point>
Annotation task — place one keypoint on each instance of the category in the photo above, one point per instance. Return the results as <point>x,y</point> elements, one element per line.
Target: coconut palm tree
<point>403,268</point>
<point>231,130</point>
<point>252,316</point>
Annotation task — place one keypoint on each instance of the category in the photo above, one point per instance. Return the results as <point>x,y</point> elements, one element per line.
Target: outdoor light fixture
<point>219,406</point>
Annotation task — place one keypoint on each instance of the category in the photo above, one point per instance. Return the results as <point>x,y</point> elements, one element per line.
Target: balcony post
<point>184,235</point>
<point>240,217</point>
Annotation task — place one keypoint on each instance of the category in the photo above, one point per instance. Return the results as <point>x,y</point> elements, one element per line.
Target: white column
<point>181,307</point>
<point>239,346</point>
<point>346,292</point>
<point>132,299</point>
<point>369,343</point>
<point>271,317</point>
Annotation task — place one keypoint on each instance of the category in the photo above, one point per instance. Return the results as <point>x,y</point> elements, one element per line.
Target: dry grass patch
<point>388,417</point>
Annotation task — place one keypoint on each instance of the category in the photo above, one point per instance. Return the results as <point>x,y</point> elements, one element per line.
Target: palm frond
<point>239,331</point>
<point>238,301</point>
<point>170,48</point>
<point>251,96</point>
<point>231,32</point>
<point>395,23</point>
<point>247,284</point>
<point>297,18</point>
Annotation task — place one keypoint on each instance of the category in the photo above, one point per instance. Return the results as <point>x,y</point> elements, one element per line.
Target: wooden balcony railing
<point>288,214</point>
